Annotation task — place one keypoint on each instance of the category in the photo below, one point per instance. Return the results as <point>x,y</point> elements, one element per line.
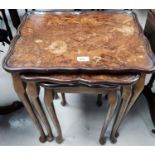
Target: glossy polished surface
<point>91,41</point>
<point>86,121</point>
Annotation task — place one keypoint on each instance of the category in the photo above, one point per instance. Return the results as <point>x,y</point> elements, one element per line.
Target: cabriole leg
<point>136,91</point>
<point>20,90</point>
<point>33,93</point>
<point>112,107</point>
<point>126,95</point>
<point>63,102</point>
<point>99,100</point>
<point>48,98</point>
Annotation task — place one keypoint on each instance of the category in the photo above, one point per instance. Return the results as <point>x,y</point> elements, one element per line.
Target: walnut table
<point>80,83</point>
<point>108,42</point>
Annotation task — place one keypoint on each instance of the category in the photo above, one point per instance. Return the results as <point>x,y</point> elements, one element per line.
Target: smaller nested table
<point>82,83</point>
<point>74,51</point>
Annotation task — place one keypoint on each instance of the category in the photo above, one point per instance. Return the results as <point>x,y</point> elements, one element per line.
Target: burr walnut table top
<point>83,79</point>
<point>106,41</point>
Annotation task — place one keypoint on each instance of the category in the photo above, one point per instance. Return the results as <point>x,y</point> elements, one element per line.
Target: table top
<point>104,41</point>
<point>82,79</point>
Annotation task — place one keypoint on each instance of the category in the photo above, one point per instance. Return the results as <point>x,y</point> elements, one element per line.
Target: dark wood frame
<point>90,70</point>
<point>149,32</point>
<point>14,17</point>
<point>16,105</point>
<point>6,24</point>
<point>150,96</point>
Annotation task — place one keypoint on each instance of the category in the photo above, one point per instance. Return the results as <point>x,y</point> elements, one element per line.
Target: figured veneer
<point>108,41</point>
<point>87,79</point>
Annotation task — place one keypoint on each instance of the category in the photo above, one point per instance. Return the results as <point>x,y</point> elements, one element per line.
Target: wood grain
<point>110,41</point>
<point>90,79</point>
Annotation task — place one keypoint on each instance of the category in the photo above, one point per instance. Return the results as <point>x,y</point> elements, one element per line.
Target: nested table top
<point>83,79</point>
<point>87,41</point>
